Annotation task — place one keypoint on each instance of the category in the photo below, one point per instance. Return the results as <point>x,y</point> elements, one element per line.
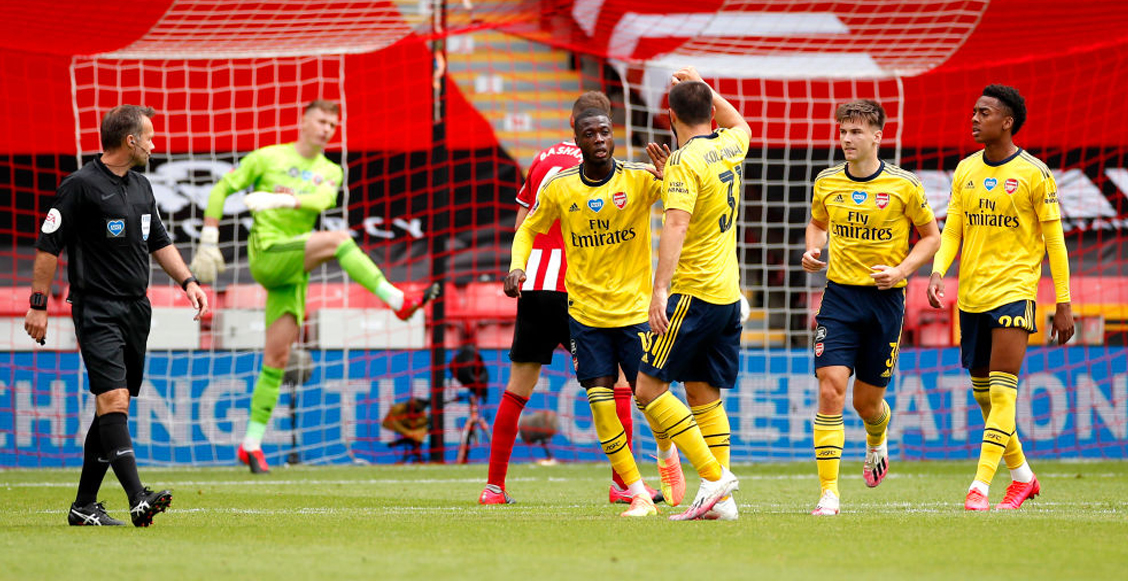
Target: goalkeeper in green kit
<point>291,184</point>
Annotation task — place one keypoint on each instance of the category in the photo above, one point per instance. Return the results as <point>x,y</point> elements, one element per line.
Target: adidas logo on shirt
<point>574,208</point>
<point>838,198</point>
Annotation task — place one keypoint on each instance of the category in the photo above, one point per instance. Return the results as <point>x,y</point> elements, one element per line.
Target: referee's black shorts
<point>112,335</point>
<point>542,324</point>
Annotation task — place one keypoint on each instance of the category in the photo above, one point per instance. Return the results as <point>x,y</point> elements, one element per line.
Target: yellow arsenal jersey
<point>606,231</point>
<point>868,219</point>
<point>703,178</point>
<point>997,210</point>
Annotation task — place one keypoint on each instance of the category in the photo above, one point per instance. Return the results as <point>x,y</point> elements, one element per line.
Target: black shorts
<point>860,327</point>
<point>602,351</point>
<point>542,324</point>
<point>112,335</point>
<point>702,343</point>
<point>975,330</point>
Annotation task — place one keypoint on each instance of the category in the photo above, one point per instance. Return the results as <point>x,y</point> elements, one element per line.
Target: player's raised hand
<point>1063,324</point>
<point>208,261</point>
<point>513,283</point>
<point>686,74</point>
<point>811,262</point>
<point>886,276</point>
<point>658,320</point>
<point>936,291</point>
<point>658,156</point>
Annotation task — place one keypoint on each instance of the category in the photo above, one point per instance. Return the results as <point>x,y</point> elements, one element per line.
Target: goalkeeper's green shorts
<point>279,266</point>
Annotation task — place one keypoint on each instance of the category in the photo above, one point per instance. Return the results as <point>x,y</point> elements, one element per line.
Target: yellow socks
<point>830,436</point>
<point>714,425</point>
<point>876,426</point>
<point>1000,424</point>
<point>677,421</point>
<point>611,434</point>
<point>1013,455</point>
<point>664,443</point>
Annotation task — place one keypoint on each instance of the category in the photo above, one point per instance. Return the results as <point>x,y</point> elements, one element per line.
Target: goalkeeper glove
<point>208,262</point>
<point>259,201</point>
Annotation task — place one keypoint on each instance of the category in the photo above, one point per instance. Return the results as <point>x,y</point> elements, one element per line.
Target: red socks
<point>623,407</point>
<point>504,435</point>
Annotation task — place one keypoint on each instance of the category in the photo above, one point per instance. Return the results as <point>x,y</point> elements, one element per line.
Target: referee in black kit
<point>106,217</point>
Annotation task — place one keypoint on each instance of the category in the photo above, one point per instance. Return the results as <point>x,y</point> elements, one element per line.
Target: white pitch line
<point>1042,509</point>
<point>554,479</point>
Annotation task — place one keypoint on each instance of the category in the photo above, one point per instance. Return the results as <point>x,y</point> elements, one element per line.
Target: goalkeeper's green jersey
<point>280,169</point>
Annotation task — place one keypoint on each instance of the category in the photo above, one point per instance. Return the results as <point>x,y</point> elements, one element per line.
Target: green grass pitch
<point>423,522</point>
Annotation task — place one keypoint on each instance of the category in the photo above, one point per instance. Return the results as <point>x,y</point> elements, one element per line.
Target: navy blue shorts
<point>600,352</point>
<point>702,343</point>
<point>860,327</point>
<point>975,330</point>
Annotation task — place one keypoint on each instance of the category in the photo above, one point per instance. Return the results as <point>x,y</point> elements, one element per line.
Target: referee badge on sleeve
<point>52,222</point>
<point>146,219</point>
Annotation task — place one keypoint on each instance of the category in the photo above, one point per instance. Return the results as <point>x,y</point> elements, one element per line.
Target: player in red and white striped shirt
<point>542,317</point>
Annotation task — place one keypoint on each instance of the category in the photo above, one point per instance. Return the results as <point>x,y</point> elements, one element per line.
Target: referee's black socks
<point>118,448</point>
<point>94,465</point>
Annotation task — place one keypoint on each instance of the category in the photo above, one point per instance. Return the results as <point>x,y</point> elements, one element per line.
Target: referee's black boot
<point>148,504</point>
<point>93,514</point>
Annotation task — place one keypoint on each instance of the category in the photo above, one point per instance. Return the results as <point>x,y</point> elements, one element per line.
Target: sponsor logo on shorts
<point>881,199</point>
<point>1010,185</point>
<point>619,199</point>
<point>820,333</point>
<point>818,349</point>
<point>990,183</point>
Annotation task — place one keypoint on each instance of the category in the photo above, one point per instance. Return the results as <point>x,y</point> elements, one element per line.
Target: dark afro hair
<point>1009,97</point>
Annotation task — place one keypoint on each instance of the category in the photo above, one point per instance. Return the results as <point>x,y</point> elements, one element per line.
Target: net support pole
<point>440,212</point>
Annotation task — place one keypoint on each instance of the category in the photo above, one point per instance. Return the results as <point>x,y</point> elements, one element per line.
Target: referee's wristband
<point>188,281</point>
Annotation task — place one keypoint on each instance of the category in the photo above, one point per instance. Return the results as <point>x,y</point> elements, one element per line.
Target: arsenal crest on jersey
<point>881,199</point>
<point>619,199</point>
<point>1011,185</point>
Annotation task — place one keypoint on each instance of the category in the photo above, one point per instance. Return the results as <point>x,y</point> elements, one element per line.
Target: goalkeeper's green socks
<point>263,400</point>
<point>361,268</point>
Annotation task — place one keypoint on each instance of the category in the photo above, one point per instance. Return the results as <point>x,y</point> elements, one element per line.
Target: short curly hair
<point>1012,100</point>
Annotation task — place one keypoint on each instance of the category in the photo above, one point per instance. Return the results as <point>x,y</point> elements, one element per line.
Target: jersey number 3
<point>726,222</point>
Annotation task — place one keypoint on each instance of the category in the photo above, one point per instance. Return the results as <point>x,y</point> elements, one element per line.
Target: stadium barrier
<point>1074,404</point>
